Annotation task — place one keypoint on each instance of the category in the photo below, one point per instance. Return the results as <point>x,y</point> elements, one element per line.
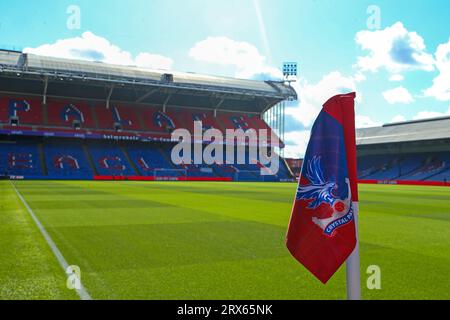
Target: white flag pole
<point>352,264</point>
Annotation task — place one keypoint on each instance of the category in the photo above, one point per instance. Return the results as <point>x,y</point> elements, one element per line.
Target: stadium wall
<point>406,182</point>
<point>155,178</point>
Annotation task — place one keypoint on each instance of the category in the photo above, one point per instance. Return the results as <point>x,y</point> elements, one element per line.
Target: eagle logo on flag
<point>335,195</point>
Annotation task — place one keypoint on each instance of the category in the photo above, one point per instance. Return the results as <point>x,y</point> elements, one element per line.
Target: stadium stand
<point>109,159</point>
<point>20,158</point>
<point>152,160</point>
<point>295,165</point>
<point>158,121</point>
<point>44,133</point>
<point>414,151</point>
<point>66,159</point>
<point>24,110</point>
<point>226,171</point>
<point>235,121</point>
<point>69,113</point>
<point>206,117</point>
<point>118,118</point>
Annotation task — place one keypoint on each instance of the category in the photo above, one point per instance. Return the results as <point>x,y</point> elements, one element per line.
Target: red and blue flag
<point>321,233</point>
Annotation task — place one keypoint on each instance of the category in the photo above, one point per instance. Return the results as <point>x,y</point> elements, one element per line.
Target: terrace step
<point>89,159</point>
<point>127,157</point>
<point>42,159</point>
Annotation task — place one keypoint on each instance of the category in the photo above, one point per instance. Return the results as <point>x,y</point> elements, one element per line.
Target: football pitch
<point>209,240</point>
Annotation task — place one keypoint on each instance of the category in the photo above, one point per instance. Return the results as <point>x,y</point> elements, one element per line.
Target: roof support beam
<point>44,94</point>
<point>111,89</point>
<point>267,107</point>
<point>166,102</point>
<point>146,95</point>
<point>217,106</point>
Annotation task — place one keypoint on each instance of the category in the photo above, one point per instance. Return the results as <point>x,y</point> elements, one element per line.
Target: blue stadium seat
<point>109,159</point>
<point>67,160</point>
<point>413,166</point>
<point>151,160</point>
<point>20,159</point>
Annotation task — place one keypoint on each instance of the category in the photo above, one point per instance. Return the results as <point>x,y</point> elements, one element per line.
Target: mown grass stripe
<point>82,292</point>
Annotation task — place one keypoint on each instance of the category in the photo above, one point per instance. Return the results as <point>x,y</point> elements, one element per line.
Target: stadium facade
<point>411,152</point>
<point>71,119</point>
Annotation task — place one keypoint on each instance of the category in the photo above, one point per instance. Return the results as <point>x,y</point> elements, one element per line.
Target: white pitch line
<point>82,292</point>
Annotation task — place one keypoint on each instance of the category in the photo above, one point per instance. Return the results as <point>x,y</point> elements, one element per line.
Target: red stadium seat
<point>135,121</point>
<point>158,121</point>
<point>259,123</point>
<point>244,122</point>
<point>235,121</point>
<point>27,110</point>
<point>4,116</point>
<point>63,113</point>
<point>206,117</point>
<point>126,116</point>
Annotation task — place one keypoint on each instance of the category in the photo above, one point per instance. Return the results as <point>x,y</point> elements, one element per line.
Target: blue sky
<point>395,54</point>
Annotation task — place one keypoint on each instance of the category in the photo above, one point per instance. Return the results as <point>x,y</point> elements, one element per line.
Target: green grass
<point>186,240</point>
<point>28,269</point>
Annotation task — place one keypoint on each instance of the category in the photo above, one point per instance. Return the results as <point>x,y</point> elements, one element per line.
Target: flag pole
<point>352,264</point>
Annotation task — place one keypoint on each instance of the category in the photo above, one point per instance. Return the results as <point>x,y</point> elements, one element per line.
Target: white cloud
<point>393,48</point>
<point>313,96</point>
<point>398,118</point>
<point>359,77</point>
<point>243,56</point>
<point>91,47</point>
<point>441,84</point>
<point>431,114</point>
<point>396,77</point>
<point>153,61</point>
<point>296,143</point>
<point>398,95</point>
<point>365,122</point>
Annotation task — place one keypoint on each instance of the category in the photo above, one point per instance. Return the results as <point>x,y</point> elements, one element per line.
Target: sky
<point>394,54</point>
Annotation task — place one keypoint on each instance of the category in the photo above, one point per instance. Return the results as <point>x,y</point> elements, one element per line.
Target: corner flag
<point>322,231</point>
